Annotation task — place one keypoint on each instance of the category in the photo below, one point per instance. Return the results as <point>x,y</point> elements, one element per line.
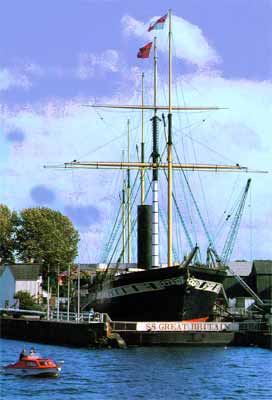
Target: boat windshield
<point>43,363</point>
<point>34,355</point>
<point>30,363</point>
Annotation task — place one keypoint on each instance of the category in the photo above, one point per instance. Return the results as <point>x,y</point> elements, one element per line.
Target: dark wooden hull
<point>162,294</point>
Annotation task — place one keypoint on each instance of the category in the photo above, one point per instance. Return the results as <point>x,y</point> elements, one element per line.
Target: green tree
<point>8,221</point>
<point>47,237</point>
<point>26,301</point>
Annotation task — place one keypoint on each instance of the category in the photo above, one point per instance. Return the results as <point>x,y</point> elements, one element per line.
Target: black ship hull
<point>161,294</point>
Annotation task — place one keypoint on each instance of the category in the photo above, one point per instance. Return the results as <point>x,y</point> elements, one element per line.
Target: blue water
<point>143,373</point>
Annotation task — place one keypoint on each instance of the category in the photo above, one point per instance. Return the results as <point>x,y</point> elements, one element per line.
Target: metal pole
<point>124,222</point>
<point>68,293</point>
<point>155,156</point>
<point>128,198</point>
<point>58,294</point>
<point>142,148</point>
<point>78,293</point>
<point>169,152</point>
<point>48,293</point>
<point>124,212</point>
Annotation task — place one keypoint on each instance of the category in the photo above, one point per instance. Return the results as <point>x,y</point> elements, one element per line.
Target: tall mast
<point>155,157</point>
<point>124,214</point>
<point>128,198</point>
<point>142,147</point>
<point>169,149</point>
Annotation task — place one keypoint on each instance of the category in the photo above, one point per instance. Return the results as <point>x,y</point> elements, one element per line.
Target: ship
<point>183,291</point>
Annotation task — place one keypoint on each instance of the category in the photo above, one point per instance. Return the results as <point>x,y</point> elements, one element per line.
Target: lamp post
<point>68,293</point>
<point>58,290</point>
<point>48,291</point>
<point>78,292</point>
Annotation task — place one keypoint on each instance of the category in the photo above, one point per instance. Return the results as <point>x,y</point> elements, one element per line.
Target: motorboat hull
<point>34,366</point>
<point>46,372</point>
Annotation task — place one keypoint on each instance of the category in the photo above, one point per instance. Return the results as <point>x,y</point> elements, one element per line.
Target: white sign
<point>208,286</point>
<point>187,326</point>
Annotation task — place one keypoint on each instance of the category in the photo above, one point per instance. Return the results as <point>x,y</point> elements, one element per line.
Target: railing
<point>79,318</point>
<point>240,311</point>
<point>255,326</point>
<point>123,326</point>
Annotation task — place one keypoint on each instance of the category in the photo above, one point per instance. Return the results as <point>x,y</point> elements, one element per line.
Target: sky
<point>58,56</point>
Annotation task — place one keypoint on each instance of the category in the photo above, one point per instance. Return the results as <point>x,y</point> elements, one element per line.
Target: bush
<point>26,301</point>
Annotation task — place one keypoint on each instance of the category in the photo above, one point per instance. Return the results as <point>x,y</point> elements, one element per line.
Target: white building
<point>26,277</point>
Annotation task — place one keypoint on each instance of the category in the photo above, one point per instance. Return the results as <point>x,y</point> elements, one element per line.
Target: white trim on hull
<point>33,371</point>
<point>155,285</point>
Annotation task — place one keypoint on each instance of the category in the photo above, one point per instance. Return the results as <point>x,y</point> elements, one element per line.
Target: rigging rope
<point>120,236</point>
<point>111,239</point>
<point>198,212</point>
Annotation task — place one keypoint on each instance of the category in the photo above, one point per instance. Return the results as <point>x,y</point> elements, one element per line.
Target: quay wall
<point>102,334</point>
<point>53,332</point>
<point>179,338</point>
<point>260,339</point>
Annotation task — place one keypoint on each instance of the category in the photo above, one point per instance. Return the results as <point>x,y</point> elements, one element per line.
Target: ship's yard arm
<point>150,165</point>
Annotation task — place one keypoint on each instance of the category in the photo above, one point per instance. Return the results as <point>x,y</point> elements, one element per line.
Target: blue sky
<point>56,56</point>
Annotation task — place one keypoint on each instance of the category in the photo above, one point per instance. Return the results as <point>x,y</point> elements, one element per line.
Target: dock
<point>102,332</point>
<point>176,333</point>
<point>64,333</point>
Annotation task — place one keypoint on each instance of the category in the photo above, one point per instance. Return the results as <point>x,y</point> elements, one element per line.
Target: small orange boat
<point>34,366</point>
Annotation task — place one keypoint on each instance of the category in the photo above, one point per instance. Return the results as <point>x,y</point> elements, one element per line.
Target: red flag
<point>159,24</point>
<point>61,277</point>
<point>144,51</point>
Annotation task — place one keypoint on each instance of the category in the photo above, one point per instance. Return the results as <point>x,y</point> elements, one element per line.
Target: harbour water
<point>143,373</point>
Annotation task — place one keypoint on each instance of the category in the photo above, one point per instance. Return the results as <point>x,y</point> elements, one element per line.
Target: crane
<point>233,232</point>
<point>230,242</point>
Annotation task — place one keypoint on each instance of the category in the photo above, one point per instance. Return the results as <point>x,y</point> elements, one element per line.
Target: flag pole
<point>142,148</point>
<point>169,150</point>
<point>128,197</point>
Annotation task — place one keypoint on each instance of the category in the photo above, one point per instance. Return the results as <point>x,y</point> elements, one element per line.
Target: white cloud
<point>10,78</point>
<point>90,63</point>
<point>190,43</point>
<point>87,66</point>
<point>132,26</point>
<point>19,75</point>
<point>33,69</point>
<point>56,132</point>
